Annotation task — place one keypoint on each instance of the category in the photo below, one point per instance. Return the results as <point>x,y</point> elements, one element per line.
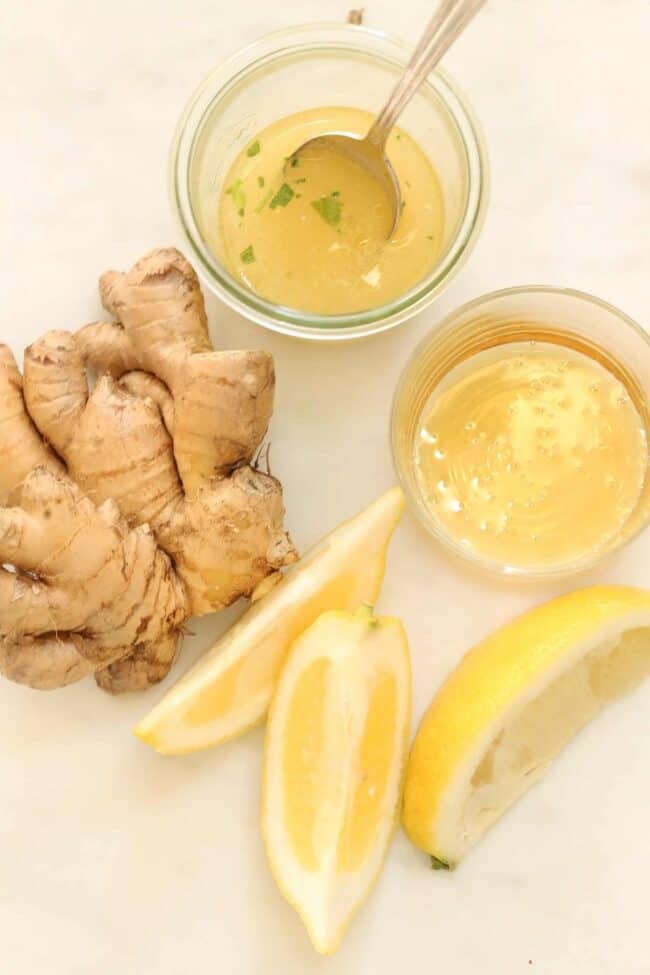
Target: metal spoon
<point>451,17</point>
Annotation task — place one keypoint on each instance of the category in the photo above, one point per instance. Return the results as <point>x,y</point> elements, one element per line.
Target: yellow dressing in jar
<point>311,236</point>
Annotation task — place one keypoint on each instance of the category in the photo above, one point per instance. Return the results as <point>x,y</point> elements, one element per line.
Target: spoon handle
<point>449,20</point>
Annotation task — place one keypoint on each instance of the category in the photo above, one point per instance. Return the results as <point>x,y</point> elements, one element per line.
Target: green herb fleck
<point>236,191</point>
<point>284,195</point>
<point>437,864</point>
<point>399,136</point>
<point>247,255</point>
<point>254,149</point>
<point>303,179</point>
<point>329,208</point>
<point>260,181</point>
<point>335,193</point>
<point>430,237</point>
<point>298,195</point>
<point>295,161</point>
<point>265,199</point>
<point>403,204</point>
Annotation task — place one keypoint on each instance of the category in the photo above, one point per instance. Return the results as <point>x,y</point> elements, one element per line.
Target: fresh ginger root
<point>21,448</point>
<point>80,592</point>
<point>88,593</point>
<point>169,429</point>
<point>222,400</point>
<point>134,505</point>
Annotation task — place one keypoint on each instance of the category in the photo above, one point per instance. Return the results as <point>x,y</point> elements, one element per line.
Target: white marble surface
<point>114,860</point>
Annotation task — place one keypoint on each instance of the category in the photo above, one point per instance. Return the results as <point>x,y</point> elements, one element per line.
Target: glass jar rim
<point>234,72</point>
<point>447,323</point>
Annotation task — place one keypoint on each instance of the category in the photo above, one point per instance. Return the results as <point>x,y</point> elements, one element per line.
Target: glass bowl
<point>555,315</point>
<point>301,68</point>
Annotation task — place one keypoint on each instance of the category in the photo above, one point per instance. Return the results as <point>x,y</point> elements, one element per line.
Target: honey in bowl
<point>312,236</point>
<point>532,454</point>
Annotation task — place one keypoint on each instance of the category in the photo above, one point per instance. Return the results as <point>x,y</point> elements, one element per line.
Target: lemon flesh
<point>512,704</point>
<point>335,752</point>
<point>229,689</point>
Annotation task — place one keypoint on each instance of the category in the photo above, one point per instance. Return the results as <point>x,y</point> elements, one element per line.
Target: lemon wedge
<point>229,689</point>
<point>512,704</point>
<point>335,751</point>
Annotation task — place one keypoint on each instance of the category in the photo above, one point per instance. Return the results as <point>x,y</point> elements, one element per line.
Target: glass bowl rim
<point>492,566</point>
<point>220,80</point>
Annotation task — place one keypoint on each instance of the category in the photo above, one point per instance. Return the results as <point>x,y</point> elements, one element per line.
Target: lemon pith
<point>229,689</point>
<point>512,703</point>
<point>335,752</point>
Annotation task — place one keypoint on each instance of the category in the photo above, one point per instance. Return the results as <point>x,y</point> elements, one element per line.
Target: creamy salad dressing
<point>311,236</point>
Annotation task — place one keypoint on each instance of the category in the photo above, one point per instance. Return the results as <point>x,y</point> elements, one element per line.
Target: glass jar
<point>528,314</point>
<point>299,69</point>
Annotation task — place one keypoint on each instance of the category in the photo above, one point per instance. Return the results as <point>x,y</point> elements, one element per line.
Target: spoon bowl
<point>362,152</point>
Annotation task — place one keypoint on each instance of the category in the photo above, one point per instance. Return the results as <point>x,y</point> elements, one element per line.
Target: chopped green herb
<point>236,191</point>
<point>254,149</point>
<point>298,195</point>
<point>403,204</point>
<point>260,181</point>
<point>329,208</point>
<point>303,179</point>
<point>247,255</point>
<point>335,193</point>
<point>430,237</point>
<point>295,161</point>
<point>265,199</point>
<point>284,195</point>
<point>399,136</point>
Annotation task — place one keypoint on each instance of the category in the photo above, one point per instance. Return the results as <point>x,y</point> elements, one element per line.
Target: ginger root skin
<point>21,447</point>
<point>223,537</point>
<point>78,588</point>
<point>223,400</point>
<point>185,466</point>
<point>130,504</point>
